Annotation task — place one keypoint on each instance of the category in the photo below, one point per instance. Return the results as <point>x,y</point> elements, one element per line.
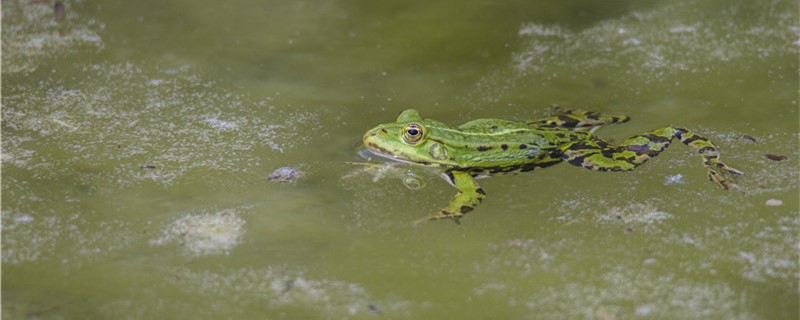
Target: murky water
<point>137,138</point>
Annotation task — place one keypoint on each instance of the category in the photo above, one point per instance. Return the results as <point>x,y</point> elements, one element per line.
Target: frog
<point>484,148</point>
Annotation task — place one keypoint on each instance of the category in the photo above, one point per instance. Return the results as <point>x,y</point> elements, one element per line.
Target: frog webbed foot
<point>723,175</point>
<point>596,154</point>
<point>718,172</point>
<point>469,196</point>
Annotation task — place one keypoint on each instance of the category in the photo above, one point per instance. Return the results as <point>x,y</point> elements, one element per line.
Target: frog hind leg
<point>469,196</point>
<point>596,154</point>
<point>578,119</point>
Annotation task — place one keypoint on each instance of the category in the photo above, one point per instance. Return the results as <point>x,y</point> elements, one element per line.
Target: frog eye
<point>412,133</point>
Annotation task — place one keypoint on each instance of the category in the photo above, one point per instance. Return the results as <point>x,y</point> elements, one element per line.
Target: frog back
<point>496,145</point>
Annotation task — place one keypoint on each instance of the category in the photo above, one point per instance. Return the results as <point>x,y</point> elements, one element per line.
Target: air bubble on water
<point>674,179</point>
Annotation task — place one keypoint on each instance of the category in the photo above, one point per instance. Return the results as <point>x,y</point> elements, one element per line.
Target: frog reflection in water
<point>486,147</point>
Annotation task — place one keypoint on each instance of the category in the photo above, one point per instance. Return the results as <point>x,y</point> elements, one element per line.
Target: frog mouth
<point>383,152</point>
<point>386,154</point>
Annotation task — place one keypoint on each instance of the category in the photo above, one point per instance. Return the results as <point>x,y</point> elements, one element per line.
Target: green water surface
<point>137,137</point>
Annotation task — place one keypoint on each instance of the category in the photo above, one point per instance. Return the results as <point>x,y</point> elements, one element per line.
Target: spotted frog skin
<point>486,147</point>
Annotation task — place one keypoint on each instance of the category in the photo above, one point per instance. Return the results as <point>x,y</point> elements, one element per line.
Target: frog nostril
<point>368,136</point>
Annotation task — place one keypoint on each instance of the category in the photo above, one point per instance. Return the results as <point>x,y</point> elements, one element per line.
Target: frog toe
<point>733,171</point>
<point>441,215</point>
<point>720,179</point>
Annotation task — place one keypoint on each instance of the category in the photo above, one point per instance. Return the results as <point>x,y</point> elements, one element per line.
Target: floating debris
<point>287,285</point>
<point>748,138</point>
<point>285,175</point>
<point>147,166</point>
<point>775,157</point>
<point>373,309</point>
<point>773,202</point>
<point>628,230</point>
<point>204,233</point>
<point>58,10</point>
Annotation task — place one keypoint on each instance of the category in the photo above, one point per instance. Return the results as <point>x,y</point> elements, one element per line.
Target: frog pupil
<point>412,134</point>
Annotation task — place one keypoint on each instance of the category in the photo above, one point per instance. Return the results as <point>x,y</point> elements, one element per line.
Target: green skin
<point>486,147</point>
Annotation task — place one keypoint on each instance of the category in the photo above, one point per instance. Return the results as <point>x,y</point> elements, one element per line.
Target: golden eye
<point>413,133</point>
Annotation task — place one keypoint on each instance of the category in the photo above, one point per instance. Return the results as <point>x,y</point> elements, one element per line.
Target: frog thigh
<point>596,154</point>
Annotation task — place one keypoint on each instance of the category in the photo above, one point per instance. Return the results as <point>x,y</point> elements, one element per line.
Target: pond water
<point>137,138</point>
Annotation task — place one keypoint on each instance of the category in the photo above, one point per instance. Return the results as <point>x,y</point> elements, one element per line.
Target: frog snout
<point>373,134</point>
<point>368,135</point>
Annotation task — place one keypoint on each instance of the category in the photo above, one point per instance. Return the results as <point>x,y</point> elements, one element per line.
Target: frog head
<point>409,139</point>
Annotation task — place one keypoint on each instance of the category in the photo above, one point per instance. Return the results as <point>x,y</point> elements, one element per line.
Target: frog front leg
<point>596,154</point>
<point>469,196</point>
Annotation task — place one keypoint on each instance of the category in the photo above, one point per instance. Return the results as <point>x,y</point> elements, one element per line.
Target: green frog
<point>486,147</point>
